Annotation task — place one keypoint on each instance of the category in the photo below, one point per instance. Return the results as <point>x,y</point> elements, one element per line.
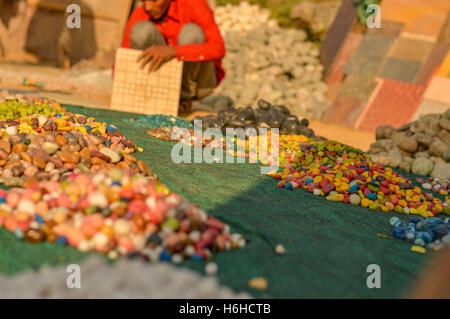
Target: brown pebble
<point>86,161</point>
<point>4,144</point>
<point>51,237</point>
<point>85,152</point>
<point>26,157</point>
<point>31,170</point>
<point>82,141</point>
<point>97,161</point>
<point>119,211</point>
<point>140,222</point>
<point>259,283</point>
<point>92,147</point>
<point>39,162</point>
<point>19,148</point>
<point>144,168</point>
<point>55,161</point>
<point>129,158</point>
<point>81,119</point>
<point>42,176</point>
<point>30,181</point>
<point>74,148</point>
<point>34,235</point>
<point>12,163</point>
<point>100,155</point>
<point>95,168</point>
<point>110,166</point>
<point>70,166</point>
<point>123,165</point>
<point>61,140</point>
<point>17,170</point>
<point>69,157</point>
<point>41,153</point>
<point>3,154</point>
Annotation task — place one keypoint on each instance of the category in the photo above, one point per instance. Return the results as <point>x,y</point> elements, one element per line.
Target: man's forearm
<point>209,51</point>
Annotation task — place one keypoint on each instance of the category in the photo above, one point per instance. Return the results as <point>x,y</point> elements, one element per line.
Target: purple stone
<point>404,185</point>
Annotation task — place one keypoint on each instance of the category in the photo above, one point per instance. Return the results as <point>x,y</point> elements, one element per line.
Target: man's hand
<point>156,55</point>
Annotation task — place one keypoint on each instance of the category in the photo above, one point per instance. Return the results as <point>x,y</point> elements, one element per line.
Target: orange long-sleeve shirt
<point>181,12</point>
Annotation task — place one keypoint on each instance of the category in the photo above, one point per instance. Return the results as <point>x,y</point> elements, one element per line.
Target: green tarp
<point>328,245</point>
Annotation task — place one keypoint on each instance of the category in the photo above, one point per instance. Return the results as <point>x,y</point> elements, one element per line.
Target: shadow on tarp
<point>328,245</point>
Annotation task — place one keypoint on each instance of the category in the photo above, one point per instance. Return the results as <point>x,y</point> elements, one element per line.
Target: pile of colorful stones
<point>432,233</point>
<point>435,184</point>
<point>81,187</point>
<point>27,158</point>
<point>345,174</point>
<point>328,168</point>
<point>115,212</point>
<point>67,122</point>
<point>40,148</point>
<point>155,121</point>
<point>47,143</point>
<point>234,145</point>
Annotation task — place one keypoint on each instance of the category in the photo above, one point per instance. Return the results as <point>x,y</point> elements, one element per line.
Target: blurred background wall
<point>35,30</point>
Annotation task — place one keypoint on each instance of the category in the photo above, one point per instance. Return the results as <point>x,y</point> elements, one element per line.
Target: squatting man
<point>181,29</point>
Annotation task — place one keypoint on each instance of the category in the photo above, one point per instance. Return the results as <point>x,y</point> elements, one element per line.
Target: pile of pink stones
<point>116,213</point>
<point>80,186</point>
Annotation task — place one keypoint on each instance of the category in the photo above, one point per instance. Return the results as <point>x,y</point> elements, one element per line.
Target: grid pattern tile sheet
<point>136,90</point>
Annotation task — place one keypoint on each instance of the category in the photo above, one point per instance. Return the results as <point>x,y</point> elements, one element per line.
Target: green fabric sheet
<point>328,245</point>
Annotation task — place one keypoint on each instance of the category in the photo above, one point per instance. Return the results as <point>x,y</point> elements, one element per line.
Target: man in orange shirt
<point>182,29</point>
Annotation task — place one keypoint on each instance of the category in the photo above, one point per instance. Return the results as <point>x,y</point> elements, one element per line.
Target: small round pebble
<point>279,249</point>
<point>258,283</point>
<point>355,199</point>
<point>211,268</point>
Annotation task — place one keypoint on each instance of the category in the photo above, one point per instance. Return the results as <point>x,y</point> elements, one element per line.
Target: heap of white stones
<point>269,62</point>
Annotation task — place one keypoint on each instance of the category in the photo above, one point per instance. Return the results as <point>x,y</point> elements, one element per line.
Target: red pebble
<point>83,203</point>
<point>53,202</point>
<point>155,216</point>
<point>24,225</point>
<point>324,182</point>
<point>136,206</point>
<point>127,193</point>
<point>64,201</point>
<point>204,243</point>
<point>215,223</point>
<point>328,188</point>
